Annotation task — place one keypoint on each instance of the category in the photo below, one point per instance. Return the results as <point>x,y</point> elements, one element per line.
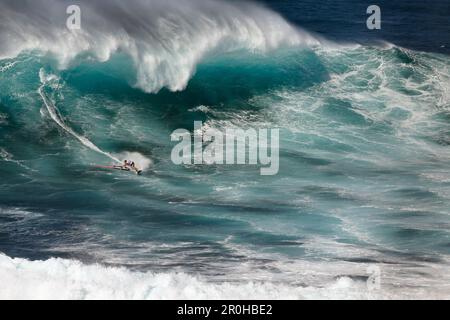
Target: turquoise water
<point>364,174</point>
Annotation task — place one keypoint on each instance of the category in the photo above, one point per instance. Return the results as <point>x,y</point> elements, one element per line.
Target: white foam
<point>19,212</point>
<point>67,279</point>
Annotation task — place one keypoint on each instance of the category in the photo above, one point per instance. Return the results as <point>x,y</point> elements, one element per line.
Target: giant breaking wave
<point>166,39</point>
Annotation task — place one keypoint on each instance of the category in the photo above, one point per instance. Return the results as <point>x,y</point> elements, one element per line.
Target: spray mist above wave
<point>166,39</point>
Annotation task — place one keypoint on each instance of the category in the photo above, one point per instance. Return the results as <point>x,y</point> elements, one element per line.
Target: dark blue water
<point>413,24</point>
<point>364,177</point>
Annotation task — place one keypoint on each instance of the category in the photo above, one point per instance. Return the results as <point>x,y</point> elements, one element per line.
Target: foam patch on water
<point>19,212</point>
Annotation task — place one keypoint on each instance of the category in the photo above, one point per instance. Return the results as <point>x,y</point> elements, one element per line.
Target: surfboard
<point>121,168</point>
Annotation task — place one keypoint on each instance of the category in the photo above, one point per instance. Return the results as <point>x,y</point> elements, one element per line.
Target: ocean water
<point>364,179</point>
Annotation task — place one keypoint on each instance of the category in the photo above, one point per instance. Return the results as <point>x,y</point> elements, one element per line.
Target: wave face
<point>364,173</point>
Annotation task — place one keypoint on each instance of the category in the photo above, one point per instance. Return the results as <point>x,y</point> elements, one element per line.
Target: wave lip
<point>166,39</point>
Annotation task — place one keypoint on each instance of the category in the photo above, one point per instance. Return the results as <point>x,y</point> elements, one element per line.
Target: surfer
<point>125,166</point>
<point>132,165</point>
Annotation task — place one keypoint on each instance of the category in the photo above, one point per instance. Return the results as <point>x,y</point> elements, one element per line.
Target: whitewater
<point>364,173</point>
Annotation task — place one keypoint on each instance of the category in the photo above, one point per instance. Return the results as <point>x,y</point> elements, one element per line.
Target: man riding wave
<point>127,165</point>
